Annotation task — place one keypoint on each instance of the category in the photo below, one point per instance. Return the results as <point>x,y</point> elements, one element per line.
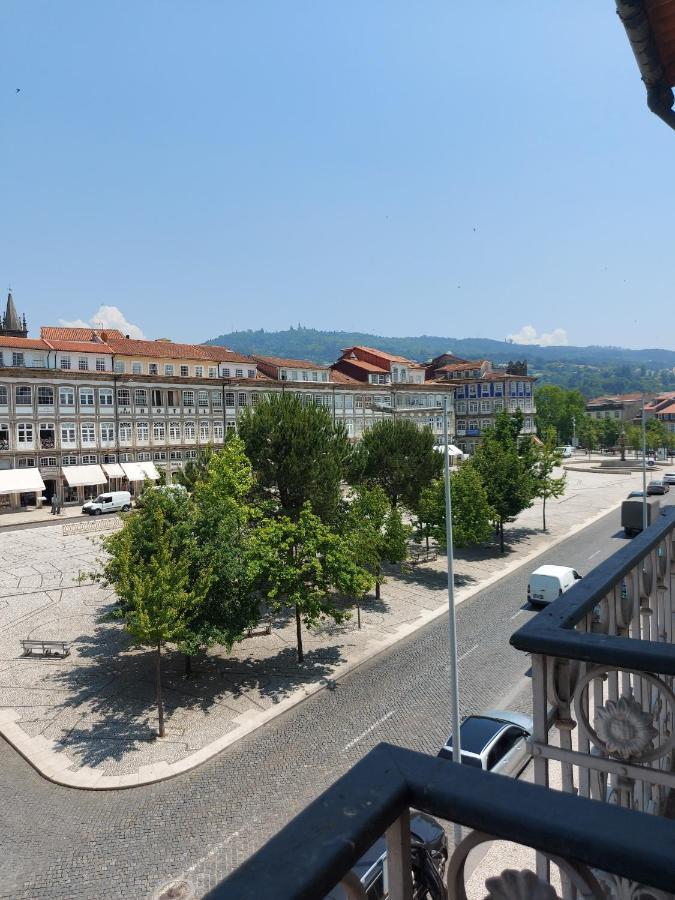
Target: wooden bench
<point>45,648</point>
<point>421,554</point>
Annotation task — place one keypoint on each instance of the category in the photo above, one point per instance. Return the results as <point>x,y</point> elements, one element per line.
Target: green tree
<point>221,524</point>
<point>150,565</point>
<point>609,429</point>
<point>545,484</point>
<point>195,470</point>
<point>400,458</point>
<point>634,438</point>
<point>506,475</point>
<point>472,515</point>
<point>376,531</point>
<point>302,564</point>
<point>656,435</point>
<point>559,408</point>
<point>588,434</point>
<point>298,454</point>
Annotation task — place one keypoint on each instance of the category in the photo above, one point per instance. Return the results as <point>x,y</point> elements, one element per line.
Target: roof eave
<point>660,96</point>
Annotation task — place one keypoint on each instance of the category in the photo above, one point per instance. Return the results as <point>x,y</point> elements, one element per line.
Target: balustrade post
<point>398,869</point>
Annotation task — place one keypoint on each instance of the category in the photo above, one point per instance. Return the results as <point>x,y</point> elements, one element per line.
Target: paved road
<point>59,842</point>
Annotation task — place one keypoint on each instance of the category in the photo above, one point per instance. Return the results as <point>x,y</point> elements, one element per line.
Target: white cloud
<point>107,317</point>
<point>528,335</point>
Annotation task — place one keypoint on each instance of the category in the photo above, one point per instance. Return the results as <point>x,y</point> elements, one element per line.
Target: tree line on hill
<point>592,370</point>
<point>289,516</point>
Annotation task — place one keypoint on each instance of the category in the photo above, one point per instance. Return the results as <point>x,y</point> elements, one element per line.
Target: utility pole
<point>452,625</point>
<point>644,467</point>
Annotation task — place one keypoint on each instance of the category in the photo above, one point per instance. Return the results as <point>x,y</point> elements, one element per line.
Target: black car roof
<point>476,732</point>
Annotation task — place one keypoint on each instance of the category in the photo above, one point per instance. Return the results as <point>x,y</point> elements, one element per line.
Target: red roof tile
<point>280,362</point>
<point>23,343</point>
<point>80,346</point>
<point>65,333</point>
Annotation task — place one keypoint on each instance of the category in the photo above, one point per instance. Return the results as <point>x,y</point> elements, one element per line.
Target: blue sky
<point>402,168</point>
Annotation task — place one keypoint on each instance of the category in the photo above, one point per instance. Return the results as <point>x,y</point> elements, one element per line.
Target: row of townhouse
<point>84,409</point>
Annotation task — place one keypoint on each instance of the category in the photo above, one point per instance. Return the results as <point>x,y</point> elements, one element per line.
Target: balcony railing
<point>599,850</point>
<point>603,664</point>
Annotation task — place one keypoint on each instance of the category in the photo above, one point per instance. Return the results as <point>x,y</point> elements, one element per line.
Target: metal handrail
<point>552,631</point>
<point>308,857</point>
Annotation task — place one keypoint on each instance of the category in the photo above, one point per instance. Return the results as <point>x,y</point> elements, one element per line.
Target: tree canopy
<point>298,453</point>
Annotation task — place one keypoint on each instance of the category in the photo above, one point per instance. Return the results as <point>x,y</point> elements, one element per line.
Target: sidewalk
<point>42,516</point>
<point>89,720</point>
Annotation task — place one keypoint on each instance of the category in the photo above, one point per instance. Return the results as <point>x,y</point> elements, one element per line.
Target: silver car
<point>495,741</point>
<point>669,477</point>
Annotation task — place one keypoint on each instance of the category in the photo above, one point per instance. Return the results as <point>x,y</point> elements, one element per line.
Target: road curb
<point>53,764</point>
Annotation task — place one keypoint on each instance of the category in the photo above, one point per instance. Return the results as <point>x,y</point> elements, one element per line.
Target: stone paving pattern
<point>79,844</point>
<point>98,703</point>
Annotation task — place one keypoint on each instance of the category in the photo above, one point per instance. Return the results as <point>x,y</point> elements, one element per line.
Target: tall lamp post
<point>644,467</point>
<point>452,623</point>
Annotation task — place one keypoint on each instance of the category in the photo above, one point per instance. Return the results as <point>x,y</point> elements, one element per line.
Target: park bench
<point>265,627</point>
<point>45,648</point>
<point>421,554</point>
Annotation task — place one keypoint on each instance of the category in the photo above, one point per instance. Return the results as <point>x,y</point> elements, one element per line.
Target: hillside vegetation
<point>592,370</point>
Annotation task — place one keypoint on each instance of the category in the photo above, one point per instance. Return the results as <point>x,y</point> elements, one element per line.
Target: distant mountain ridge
<point>325,346</point>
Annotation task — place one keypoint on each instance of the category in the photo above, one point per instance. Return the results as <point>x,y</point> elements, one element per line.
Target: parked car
<point>566,452</point>
<point>635,494</point>
<point>113,501</point>
<point>657,487</point>
<point>495,741</point>
<point>547,583</point>
<point>669,477</point>
<point>429,855</point>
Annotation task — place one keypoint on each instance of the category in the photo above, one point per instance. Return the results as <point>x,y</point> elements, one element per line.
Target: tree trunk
<point>160,702</point>
<point>377,582</point>
<point>501,537</point>
<point>358,615</point>
<point>426,536</point>
<point>188,664</point>
<point>298,633</point>
<point>543,513</point>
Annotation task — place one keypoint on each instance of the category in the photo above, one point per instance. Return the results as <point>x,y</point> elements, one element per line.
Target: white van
<point>547,583</point>
<point>567,452</point>
<point>113,501</point>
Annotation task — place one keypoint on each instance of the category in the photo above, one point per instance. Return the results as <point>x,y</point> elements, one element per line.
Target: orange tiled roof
<point>288,363</point>
<point>389,356</point>
<point>340,378</point>
<point>80,346</point>
<point>65,333</point>
<point>666,409</point>
<point>165,349</point>
<point>23,343</point>
<point>224,354</point>
<point>458,367</point>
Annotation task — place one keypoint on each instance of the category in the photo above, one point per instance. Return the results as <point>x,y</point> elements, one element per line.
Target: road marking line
<point>516,614</point>
<point>368,730</point>
<point>594,554</point>
<point>464,655</point>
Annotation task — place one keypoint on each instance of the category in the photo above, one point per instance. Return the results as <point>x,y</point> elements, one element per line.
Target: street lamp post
<point>452,625</point>
<point>644,467</point>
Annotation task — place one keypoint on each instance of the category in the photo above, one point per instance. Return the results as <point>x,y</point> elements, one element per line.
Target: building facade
<point>82,410</point>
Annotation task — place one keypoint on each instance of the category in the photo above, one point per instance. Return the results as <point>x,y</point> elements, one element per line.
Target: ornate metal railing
<point>603,664</point>
<point>599,850</point>
<point>4,444</point>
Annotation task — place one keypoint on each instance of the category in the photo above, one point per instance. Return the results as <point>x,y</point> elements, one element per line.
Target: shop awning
<point>150,470</point>
<point>133,471</point>
<point>452,450</point>
<point>77,476</point>
<point>19,481</point>
<point>113,470</point>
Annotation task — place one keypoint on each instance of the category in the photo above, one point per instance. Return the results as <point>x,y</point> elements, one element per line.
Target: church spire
<point>11,325</point>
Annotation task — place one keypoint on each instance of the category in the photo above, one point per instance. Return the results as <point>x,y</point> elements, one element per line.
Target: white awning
<point>76,476</point>
<point>16,481</point>
<point>150,470</point>
<point>133,471</point>
<point>452,450</point>
<point>113,470</point>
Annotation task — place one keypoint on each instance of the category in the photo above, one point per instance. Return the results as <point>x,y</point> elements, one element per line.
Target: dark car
<point>635,494</point>
<point>657,487</point>
<point>495,741</point>
<point>429,854</point>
